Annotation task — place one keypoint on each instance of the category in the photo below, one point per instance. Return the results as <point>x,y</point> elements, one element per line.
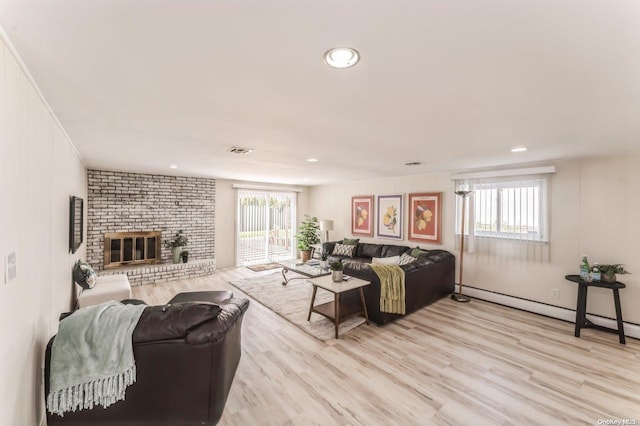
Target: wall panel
<point>593,202</point>
<point>35,189</point>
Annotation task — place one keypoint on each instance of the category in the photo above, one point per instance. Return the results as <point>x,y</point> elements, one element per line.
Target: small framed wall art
<point>390,216</point>
<point>425,217</point>
<point>362,215</point>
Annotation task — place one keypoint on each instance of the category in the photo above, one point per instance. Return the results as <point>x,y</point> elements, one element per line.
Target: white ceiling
<point>454,84</point>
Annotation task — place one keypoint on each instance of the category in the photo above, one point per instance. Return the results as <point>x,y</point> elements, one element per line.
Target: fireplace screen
<point>131,248</point>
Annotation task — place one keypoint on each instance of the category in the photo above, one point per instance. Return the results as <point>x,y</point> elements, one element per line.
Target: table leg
<point>336,302</point>
<point>364,306</point>
<point>581,308</point>
<point>616,300</point>
<point>284,277</point>
<point>313,299</point>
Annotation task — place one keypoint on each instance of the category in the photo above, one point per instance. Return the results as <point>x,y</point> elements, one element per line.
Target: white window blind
<point>507,215</point>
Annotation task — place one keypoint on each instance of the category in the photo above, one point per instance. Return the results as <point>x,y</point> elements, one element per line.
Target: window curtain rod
<point>506,172</point>
<point>267,188</point>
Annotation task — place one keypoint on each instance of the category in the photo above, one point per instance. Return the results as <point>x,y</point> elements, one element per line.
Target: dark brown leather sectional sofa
<point>185,365</point>
<point>428,279</point>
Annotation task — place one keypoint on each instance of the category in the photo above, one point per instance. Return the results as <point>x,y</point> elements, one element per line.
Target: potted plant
<point>179,240</point>
<point>185,256</point>
<point>336,271</point>
<point>308,235</point>
<point>608,272</point>
<point>323,259</point>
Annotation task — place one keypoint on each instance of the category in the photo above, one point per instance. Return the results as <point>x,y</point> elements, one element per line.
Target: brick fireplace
<point>132,204</point>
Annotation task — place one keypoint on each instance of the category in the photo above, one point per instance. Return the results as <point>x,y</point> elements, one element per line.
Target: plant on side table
<point>608,272</point>
<point>308,235</point>
<point>179,240</point>
<point>336,271</point>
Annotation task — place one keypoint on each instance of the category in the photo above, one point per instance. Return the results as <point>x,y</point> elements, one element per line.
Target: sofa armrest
<point>214,329</point>
<point>329,246</point>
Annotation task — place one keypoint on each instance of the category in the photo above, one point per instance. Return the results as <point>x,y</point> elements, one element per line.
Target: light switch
<point>9,267</point>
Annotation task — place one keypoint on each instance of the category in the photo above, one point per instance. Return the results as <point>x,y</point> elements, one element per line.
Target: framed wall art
<point>390,216</point>
<point>362,215</point>
<point>425,213</point>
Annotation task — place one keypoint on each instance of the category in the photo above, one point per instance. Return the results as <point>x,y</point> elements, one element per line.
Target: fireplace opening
<point>131,248</point>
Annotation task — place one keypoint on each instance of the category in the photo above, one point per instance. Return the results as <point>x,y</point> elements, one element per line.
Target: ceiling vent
<point>413,163</point>
<point>236,150</point>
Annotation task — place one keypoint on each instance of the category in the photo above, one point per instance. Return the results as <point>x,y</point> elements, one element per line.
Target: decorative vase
<point>185,258</point>
<point>336,276</point>
<point>176,251</point>
<point>323,264</point>
<point>609,278</point>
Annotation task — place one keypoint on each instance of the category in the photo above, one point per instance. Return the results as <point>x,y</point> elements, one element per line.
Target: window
<point>507,213</point>
<point>266,226</point>
<point>511,209</point>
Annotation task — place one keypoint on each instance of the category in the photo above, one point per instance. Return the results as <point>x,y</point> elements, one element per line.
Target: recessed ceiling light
<point>312,160</point>
<point>519,149</point>
<point>173,166</point>
<point>341,57</point>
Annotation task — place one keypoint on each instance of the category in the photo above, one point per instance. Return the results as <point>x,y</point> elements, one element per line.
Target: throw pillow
<point>418,253</point>
<point>406,258</point>
<point>343,250</point>
<point>172,321</point>
<point>393,260</point>
<point>84,275</point>
<point>350,241</point>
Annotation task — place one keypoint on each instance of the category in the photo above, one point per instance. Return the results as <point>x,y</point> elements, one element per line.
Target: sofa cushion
<point>84,275</point>
<point>343,250</point>
<point>418,252</point>
<point>406,258</point>
<point>350,241</point>
<point>369,250</point>
<point>392,260</point>
<point>391,250</point>
<point>172,321</point>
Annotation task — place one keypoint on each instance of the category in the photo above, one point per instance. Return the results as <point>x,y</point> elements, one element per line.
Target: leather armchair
<point>184,374</point>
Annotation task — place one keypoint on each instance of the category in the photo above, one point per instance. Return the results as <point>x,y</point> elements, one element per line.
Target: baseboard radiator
<point>569,315</point>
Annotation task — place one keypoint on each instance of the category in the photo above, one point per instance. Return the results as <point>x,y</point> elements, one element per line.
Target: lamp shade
<point>326,225</point>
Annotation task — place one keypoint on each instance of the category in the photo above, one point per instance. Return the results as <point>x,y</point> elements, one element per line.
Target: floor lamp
<point>459,297</point>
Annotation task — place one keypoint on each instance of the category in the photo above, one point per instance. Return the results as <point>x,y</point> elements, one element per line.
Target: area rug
<point>264,267</point>
<point>292,303</point>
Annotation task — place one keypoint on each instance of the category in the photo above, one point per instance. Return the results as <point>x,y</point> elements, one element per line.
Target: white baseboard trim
<point>630,330</point>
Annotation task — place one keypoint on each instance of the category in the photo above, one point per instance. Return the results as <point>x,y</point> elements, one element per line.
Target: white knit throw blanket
<point>92,357</point>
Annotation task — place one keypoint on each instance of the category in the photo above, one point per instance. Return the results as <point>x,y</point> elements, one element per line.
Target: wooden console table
<point>581,306</point>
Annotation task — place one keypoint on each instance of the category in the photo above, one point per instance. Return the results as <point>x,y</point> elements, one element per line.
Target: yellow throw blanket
<point>392,295</point>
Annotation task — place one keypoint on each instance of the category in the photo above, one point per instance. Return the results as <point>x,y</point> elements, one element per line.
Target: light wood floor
<point>448,364</point>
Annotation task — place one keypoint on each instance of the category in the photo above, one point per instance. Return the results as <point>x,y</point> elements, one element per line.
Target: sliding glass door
<point>265,226</point>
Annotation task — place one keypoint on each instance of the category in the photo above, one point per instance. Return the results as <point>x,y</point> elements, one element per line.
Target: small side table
<point>338,311</point>
<point>581,306</point>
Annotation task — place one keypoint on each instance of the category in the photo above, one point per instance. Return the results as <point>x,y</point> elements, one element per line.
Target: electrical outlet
<point>555,293</point>
<point>9,267</point>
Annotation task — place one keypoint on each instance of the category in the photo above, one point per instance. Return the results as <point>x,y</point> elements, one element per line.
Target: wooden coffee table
<point>338,311</point>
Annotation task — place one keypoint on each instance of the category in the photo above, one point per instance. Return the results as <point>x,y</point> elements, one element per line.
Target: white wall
<point>40,169</point>
<point>594,209</point>
<point>226,218</point>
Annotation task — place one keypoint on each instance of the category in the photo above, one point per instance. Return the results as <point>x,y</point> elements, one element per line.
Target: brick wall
<point>159,273</point>
<point>121,202</point>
